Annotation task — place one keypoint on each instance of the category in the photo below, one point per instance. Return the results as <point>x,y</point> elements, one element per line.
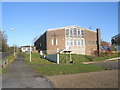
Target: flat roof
<point>68,27</point>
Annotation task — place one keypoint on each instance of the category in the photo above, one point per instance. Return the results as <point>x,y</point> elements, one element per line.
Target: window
<point>40,44</point>
<point>78,42</point>
<point>93,42</point>
<point>75,31</point>
<point>52,42</point>
<point>67,32</point>
<point>82,42</point>
<point>56,42</point>
<point>67,42</point>
<point>24,48</point>
<point>71,31</point>
<point>71,42</point>
<point>75,42</point>
<point>78,31</point>
<point>82,32</point>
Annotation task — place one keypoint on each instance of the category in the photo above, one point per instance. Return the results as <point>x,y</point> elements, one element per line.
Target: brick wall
<point>52,48</point>
<point>90,42</point>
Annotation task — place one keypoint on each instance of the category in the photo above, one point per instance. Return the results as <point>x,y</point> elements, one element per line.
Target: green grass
<point>85,58</point>
<point>3,70</point>
<point>36,59</point>
<point>59,69</point>
<point>10,59</point>
<point>67,69</point>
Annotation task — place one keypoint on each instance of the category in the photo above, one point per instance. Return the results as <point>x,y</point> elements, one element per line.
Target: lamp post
<point>30,53</point>
<point>12,29</point>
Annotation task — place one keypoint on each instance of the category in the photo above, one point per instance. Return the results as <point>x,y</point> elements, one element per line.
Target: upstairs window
<point>56,42</point>
<point>67,32</point>
<point>78,31</point>
<point>82,33</point>
<point>52,42</point>
<point>75,31</point>
<point>71,31</point>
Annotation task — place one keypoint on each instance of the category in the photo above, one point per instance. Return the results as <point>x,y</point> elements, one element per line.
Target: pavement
<point>21,75</point>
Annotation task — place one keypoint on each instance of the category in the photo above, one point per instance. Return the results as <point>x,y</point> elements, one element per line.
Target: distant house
<point>116,41</point>
<point>75,39</point>
<point>27,48</point>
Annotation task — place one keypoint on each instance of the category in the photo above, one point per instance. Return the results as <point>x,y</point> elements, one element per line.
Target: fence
<point>53,57</point>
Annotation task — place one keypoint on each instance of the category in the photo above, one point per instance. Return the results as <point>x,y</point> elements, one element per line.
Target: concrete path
<point>20,75</point>
<point>102,79</point>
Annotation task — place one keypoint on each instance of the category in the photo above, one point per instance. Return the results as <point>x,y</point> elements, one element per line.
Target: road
<point>115,65</point>
<point>102,79</point>
<point>21,75</point>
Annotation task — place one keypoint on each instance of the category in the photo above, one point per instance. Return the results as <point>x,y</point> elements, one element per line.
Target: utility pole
<point>12,29</point>
<point>30,53</point>
<point>98,41</point>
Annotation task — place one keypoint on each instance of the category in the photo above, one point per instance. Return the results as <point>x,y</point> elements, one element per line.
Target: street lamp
<point>12,29</point>
<point>30,53</point>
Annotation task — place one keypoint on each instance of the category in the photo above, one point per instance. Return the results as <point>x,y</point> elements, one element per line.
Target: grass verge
<point>10,59</point>
<point>36,59</point>
<point>60,69</point>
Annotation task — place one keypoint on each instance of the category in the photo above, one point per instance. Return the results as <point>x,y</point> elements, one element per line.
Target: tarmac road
<point>20,75</point>
<point>115,65</point>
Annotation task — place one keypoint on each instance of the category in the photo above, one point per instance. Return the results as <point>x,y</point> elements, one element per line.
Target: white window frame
<point>56,42</point>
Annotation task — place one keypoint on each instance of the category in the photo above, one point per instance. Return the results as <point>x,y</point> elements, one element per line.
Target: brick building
<point>76,39</point>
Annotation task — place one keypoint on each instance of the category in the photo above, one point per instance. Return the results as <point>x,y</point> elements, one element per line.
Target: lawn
<point>59,69</point>
<point>85,58</point>
<point>67,69</point>
<point>36,59</point>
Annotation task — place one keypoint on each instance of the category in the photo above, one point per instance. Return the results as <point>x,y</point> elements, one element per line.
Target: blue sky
<point>30,19</point>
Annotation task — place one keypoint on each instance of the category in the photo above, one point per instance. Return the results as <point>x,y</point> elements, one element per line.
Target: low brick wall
<point>53,57</point>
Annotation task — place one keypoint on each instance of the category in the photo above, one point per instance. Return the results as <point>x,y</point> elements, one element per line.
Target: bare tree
<point>3,42</point>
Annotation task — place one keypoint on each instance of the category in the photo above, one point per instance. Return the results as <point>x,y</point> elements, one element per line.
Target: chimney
<point>98,41</point>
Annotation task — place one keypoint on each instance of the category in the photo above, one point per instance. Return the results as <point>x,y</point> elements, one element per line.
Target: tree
<point>3,38</point>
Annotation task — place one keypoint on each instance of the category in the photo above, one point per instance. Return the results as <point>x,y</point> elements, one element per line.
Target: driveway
<point>20,75</point>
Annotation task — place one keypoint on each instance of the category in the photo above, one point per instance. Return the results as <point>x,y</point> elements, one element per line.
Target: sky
<point>31,19</point>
